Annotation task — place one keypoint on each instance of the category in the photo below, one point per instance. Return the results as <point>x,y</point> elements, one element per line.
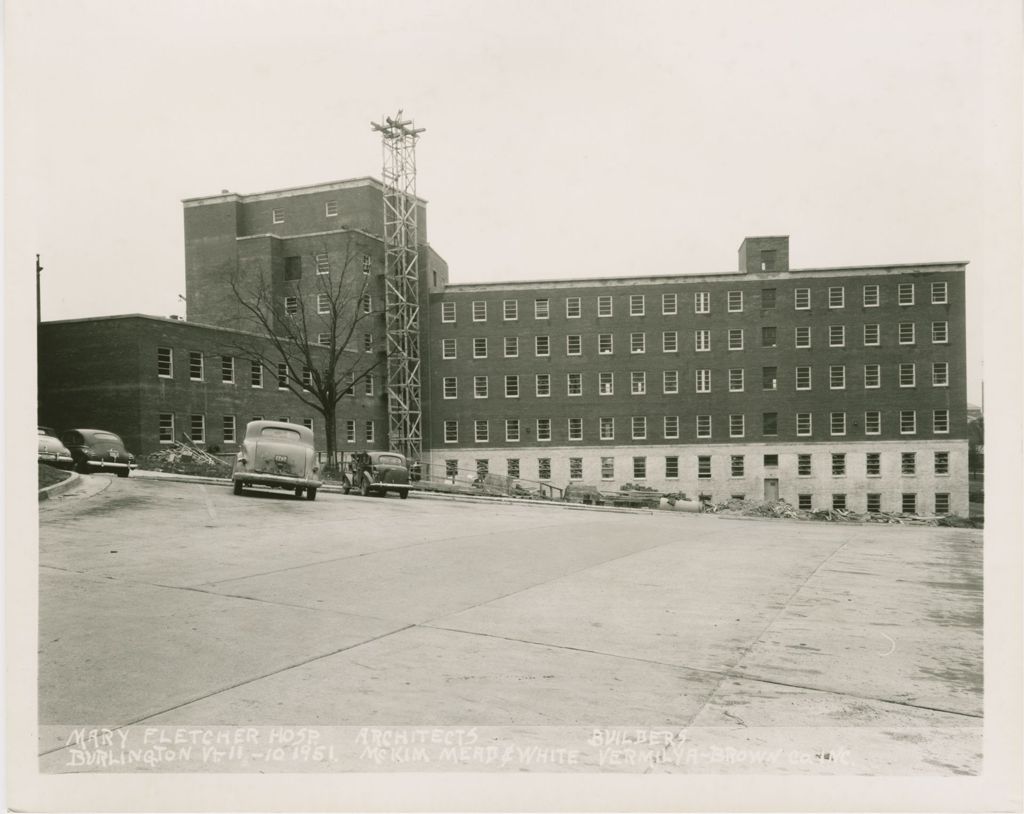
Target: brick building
<point>826,387</point>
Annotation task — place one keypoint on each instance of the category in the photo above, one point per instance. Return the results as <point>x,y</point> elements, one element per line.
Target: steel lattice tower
<point>402,286</point>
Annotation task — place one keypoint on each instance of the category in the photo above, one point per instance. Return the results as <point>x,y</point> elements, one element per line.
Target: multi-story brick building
<point>827,387</point>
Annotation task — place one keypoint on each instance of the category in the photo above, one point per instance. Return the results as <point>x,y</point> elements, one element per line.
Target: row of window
<point>871,297</point>
<point>277,214</point>
<point>321,264</point>
<point>325,305</point>
<point>670,381</point>
<point>197,428</point>
<point>838,426</point>
<point>906,334</point>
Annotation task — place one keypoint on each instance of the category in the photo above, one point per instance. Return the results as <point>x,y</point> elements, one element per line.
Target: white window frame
<point>905,294</point>
<point>875,372</point>
<point>737,335</point>
<point>875,334</point>
<point>448,310</point>
<point>940,332</point>
<point>872,426</point>
<point>451,431</point>
<point>801,299</point>
<point>542,308</point>
<point>796,336</point>
<point>702,380</point>
<point>479,350</point>
<point>875,298</point>
<point>481,387</point>
<point>937,426</point>
<point>322,262</point>
<point>737,425</point>
<point>600,343</point>
<point>610,382</point>
<point>734,302</point>
<point>737,381</point>
<point>669,341</point>
<point>537,351</point>
<point>164,354</point>
<point>940,374</point>
<point>703,426</point>
<point>670,427</point>
<point>836,297</point>
<point>330,209</point>
<point>544,429</point>
<point>277,216</point>
<point>907,374</point>
<point>837,336</point>
<point>193,355</point>
<point>165,430</point>
<point>197,437</point>
<point>512,430</point>
<point>912,415</point>
<point>323,304</point>
<point>638,383</point>
<point>837,419</point>
<point>669,305</point>
<point>573,312</point>
<point>637,305</point>
<point>479,311</point>
<point>913,333</point>
<point>937,298</point>
<point>606,428</point>
<point>638,342</point>
<point>669,382</point>
<point>451,344</point>
<point>604,306</point>
<point>228,429</point>
<point>837,373</point>
<point>804,424</point>
<point>702,302</point>
<point>545,391</point>
<point>806,372</point>
<point>638,427</point>
<point>227,369</point>
<point>570,378</point>
<point>450,387</point>
<point>702,340</point>
<point>510,310</point>
<point>574,428</point>
<point>573,339</point>
<point>511,343</point>
<point>481,431</point>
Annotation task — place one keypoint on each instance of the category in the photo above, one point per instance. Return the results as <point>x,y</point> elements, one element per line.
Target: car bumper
<point>59,461</point>
<point>113,466</point>
<point>266,479</point>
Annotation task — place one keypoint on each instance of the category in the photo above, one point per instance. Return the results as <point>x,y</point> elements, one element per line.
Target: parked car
<point>52,451</point>
<point>377,473</point>
<point>583,493</point>
<point>98,449</point>
<point>278,455</point>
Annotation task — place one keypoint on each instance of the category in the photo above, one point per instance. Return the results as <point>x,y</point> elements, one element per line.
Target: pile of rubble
<point>187,459</point>
<point>780,508</point>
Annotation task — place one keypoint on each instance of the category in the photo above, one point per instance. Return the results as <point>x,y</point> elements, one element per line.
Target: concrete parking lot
<point>370,634</point>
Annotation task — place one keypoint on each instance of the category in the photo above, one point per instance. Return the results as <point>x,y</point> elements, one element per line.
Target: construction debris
<point>187,459</point>
<point>780,508</point>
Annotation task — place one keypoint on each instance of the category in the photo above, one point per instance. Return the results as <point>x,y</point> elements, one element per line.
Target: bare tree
<point>308,328</point>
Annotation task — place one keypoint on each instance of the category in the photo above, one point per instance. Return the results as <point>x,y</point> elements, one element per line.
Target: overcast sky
<point>563,139</point>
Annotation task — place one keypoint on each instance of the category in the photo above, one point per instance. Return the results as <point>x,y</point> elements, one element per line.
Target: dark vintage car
<point>279,455</point>
<point>376,473</point>
<point>52,451</point>
<point>98,449</point>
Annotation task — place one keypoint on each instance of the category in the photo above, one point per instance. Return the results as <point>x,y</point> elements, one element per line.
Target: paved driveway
<point>184,628</point>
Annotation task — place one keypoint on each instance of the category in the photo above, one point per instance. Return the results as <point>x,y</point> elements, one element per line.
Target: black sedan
<point>98,450</point>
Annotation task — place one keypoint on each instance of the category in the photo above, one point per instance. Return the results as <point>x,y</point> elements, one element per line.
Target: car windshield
<point>280,432</point>
<point>110,438</point>
<point>390,460</point>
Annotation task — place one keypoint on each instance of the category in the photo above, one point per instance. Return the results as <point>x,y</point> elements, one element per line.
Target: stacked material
<point>780,508</point>
<point>187,459</point>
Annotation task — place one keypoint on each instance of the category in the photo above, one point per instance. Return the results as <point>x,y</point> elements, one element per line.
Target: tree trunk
<point>331,432</point>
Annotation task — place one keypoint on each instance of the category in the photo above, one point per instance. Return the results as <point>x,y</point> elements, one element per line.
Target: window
<point>543,385</point>
<point>636,305</point>
<point>940,421</point>
<point>448,348</point>
<point>908,503</point>
<point>323,265</point>
<point>197,428</point>
<point>481,431</point>
<point>447,312</point>
<point>871,298</point>
<point>195,366</point>
<point>604,306</point>
<point>669,341</point>
<point>480,347</point>
<point>769,423</point>
<point>769,378</point>
<point>542,308</point>
<point>908,422</point>
<point>736,466</point>
<point>307,380</point>
<point>803,378</point>
<point>769,336</point>
<point>803,465</point>
<point>671,426</point>
<point>368,343</point>
<point>542,346</point>
<point>802,299</point>
<point>669,305</point>
<point>940,333</point>
<point>228,429</point>
<point>906,333</point>
<point>366,303</point>
<point>639,467</point>
<point>638,342</point>
<point>255,374</point>
<point>607,469</point>
<point>451,468</point>
<point>574,384</point>
<point>575,469</point>
<point>836,297</point>
<point>479,311</point>
<point>511,387</point>
<point>369,432</point>
<point>575,429</point>
<point>544,468</point>
<point>638,383</point>
<point>704,467</point>
<point>836,336</point>
<point>331,209</point>
<point>907,374</point>
<point>367,264</point>
<point>803,424</point>
<point>451,431</point>
<point>839,503</point>
<point>166,428</point>
<point>837,377</point>
<point>872,335</point>
<point>483,467</point>
<point>672,467</point>
<point>872,376</point>
<point>873,422</point>
<point>703,426</point>
<point>941,463</point>
<point>735,339</point>
<point>450,387</point>
<point>573,345</point>
<point>908,463</point>
<point>350,431</point>
<point>639,427</point>
<point>942,502</point>
<point>479,387</point>
<point>544,429</point>
<point>512,467</point>
<point>164,363</point>
<point>940,294</point>
<point>802,337</point>
<point>803,502</point>
<point>702,302</point>
<point>838,464</point>
<point>605,383</point>
<point>323,304</point>
<point>277,215</point>
<point>291,306</point>
<point>511,347</point>
<point>512,432</point>
<point>767,298</point>
<point>604,343</point>
<point>606,428</point>
<point>323,338</point>
<point>734,301</point>
<point>736,380</point>
<point>573,308</point>
<point>703,380</point>
<point>737,426</point>
<point>905,294</point>
<point>702,340</point>
<point>670,382</point>
<point>873,464</point>
<point>837,424</point>
<point>349,381</point>
<point>510,310</point>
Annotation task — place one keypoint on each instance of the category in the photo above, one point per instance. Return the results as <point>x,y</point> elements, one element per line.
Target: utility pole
<point>39,306</point>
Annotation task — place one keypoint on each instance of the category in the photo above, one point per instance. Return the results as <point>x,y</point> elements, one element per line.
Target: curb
<point>60,488</point>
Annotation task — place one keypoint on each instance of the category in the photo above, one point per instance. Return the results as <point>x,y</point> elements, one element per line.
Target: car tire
<point>123,474</point>
<point>364,487</point>
<point>404,493</point>
<point>298,491</point>
<point>345,488</point>
<point>237,487</point>
<point>311,493</point>
<point>82,467</point>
